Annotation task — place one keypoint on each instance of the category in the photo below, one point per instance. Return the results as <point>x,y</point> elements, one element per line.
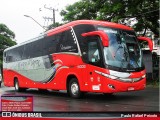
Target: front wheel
<point>74,89</point>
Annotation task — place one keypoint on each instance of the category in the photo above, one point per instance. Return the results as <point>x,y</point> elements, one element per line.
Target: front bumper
<point>112,86</point>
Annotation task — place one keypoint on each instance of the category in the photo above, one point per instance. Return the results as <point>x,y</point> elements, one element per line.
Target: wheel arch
<point>15,79</point>
<point>69,77</point>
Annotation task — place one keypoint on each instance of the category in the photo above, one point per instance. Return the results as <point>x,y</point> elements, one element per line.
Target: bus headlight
<point>144,76</point>
<point>136,79</point>
<point>109,76</point>
<point>125,79</point>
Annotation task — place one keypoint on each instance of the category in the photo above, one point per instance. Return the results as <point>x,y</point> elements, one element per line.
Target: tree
<point>54,26</point>
<point>83,9</point>
<point>6,39</point>
<point>146,12</point>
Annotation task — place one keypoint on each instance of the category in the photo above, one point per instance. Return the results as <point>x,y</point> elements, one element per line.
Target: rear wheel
<point>74,89</point>
<point>17,88</point>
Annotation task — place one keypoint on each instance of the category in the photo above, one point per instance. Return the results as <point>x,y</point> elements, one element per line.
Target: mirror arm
<point>150,43</point>
<point>103,36</point>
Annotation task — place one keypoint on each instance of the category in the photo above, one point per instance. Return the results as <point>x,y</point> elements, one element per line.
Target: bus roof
<point>91,22</point>
<point>25,42</point>
<point>72,24</point>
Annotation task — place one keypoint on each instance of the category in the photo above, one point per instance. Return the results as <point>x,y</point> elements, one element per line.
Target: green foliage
<point>6,39</point>
<point>146,12</point>
<point>54,25</point>
<point>84,9</point>
<point>153,83</point>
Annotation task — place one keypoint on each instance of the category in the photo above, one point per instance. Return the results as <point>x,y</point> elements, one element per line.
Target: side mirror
<point>101,34</point>
<point>150,43</point>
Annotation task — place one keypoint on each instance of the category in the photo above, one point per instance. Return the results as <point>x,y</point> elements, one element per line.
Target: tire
<point>16,86</point>
<point>74,89</point>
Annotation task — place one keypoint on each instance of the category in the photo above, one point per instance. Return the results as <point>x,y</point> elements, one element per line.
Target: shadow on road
<point>129,96</point>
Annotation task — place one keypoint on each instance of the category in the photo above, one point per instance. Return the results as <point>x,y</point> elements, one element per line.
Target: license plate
<point>95,87</point>
<point>130,88</point>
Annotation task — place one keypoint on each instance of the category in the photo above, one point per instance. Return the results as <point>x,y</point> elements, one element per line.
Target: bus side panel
<point>94,80</point>
<point>67,65</point>
<point>7,77</point>
<point>10,75</point>
<point>58,82</point>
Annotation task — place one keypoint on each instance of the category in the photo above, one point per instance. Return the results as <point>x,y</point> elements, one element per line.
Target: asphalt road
<point>58,101</point>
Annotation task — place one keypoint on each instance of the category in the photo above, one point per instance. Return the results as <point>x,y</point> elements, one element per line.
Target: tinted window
<point>4,56</point>
<point>93,52</point>
<point>37,48</point>
<point>50,44</point>
<point>33,49</point>
<point>62,42</point>
<point>83,40</point>
<point>14,54</point>
<point>18,52</point>
<point>9,57</point>
<point>67,43</point>
<point>27,51</point>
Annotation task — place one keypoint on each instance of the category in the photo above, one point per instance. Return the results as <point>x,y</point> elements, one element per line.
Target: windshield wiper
<point>120,47</point>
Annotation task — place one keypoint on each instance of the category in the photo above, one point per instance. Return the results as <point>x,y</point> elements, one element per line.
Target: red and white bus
<point>81,56</point>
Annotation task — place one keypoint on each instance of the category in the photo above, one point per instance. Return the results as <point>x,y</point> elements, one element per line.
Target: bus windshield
<point>124,52</point>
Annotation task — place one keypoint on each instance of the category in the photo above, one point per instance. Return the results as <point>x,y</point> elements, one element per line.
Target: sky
<point>12,14</point>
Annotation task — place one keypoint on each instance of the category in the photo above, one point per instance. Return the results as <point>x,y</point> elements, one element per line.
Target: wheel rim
<point>16,86</point>
<point>74,88</point>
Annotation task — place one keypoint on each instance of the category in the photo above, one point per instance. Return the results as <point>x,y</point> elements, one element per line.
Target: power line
<point>145,13</point>
<point>148,12</point>
<point>53,10</point>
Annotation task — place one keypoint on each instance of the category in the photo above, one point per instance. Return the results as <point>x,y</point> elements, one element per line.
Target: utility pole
<point>53,10</point>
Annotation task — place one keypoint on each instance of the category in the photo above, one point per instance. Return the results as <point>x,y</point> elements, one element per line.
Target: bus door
<point>95,63</point>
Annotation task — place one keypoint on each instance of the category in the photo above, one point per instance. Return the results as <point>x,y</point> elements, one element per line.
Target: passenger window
<point>50,45</point>
<point>27,51</point>
<point>67,42</point>
<point>4,57</point>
